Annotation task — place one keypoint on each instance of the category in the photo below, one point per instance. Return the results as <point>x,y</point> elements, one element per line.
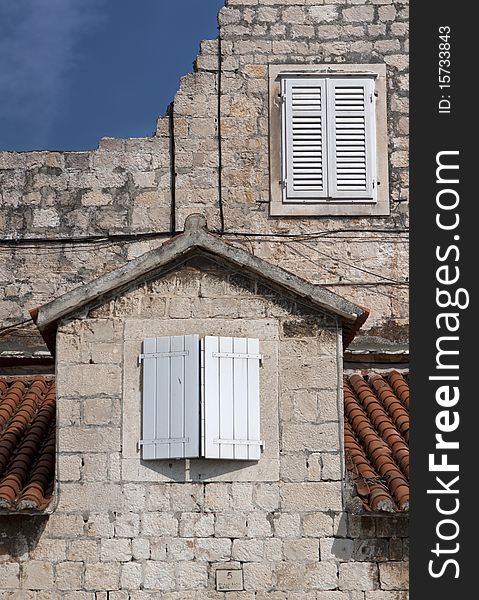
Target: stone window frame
<point>278,208</point>
<point>266,469</point>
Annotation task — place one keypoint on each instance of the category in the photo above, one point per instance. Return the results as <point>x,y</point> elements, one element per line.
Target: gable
<point>194,241</point>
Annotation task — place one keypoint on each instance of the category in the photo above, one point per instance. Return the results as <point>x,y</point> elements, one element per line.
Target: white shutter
<point>231,409</point>
<point>171,397</point>
<point>304,139</point>
<point>351,138</point>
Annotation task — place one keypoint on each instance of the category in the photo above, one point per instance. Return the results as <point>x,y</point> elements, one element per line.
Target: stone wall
<point>126,529</point>
<point>215,148</point>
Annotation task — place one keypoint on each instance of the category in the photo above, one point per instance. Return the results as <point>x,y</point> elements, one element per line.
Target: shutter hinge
<point>142,357</point>
<point>238,355</point>
<point>260,443</point>
<point>165,441</point>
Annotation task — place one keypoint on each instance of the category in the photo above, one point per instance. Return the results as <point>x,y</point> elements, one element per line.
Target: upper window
<point>328,146</point>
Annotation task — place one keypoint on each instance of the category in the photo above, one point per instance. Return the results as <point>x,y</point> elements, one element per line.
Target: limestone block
<point>358,576</point>
<point>318,524</point>
<point>196,525</point>
<point>49,550</point>
<point>293,468</point>
<point>241,496</point>
<point>46,217</point>
<point>217,496</point>
<point>96,198</point>
<point>230,524</point>
<point>131,576</point>
<point>88,380</point>
<point>140,549</point>
<point>213,549</point>
<point>68,575</point>
<point>94,496</point>
<point>287,525</point>
<point>358,14</point>
<point>192,575</point>
<point>266,496</point>
<point>301,549</point>
<point>64,526</point>
<point>9,576</point>
<point>95,467</point>
<point>186,496</point>
<point>394,575</point>
<point>127,524</point>
<point>259,524</point>
<point>321,437</point>
<point>311,497</point>
<point>321,576</point>
<point>37,575</point>
<point>158,524</point>
<point>336,549</point>
<point>83,550</point>
<point>69,467</point>
<point>81,439</point>
<point>328,403</point>
<point>102,576</point>
<point>115,549</point>
<point>387,13</point>
<point>258,576</point>
<point>324,14</point>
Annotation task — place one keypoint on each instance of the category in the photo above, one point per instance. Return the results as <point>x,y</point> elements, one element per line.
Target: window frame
<point>340,206</point>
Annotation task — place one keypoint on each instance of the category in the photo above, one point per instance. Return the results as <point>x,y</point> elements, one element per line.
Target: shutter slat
<point>231,398</point>
<point>304,131</point>
<point>163,395</point>
<point>177,397</point>
<point>170,397</point>
<point>240,410</point>
<point>254,451</point>
<point>351,138</point>
<point>226,374</point>
<point>149,404</point>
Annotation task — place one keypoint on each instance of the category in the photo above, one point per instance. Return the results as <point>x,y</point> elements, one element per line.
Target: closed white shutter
<point>171,397</point>
<point>304,139</point>
<point>231,411</point>
<point>351,138</point>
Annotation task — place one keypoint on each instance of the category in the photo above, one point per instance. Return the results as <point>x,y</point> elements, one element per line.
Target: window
<point>328,149</point>
<point>201,398</point>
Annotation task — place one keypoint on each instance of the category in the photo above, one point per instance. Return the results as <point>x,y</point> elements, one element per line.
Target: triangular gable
<point>194,239</point>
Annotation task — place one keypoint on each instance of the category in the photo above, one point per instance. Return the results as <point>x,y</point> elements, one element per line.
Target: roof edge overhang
<point>177,250</point>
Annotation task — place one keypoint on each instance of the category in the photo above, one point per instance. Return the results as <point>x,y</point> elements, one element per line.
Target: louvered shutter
<point>351,138</point>
<point>171,397</point>
<point>304,139</point>
<point>231,410</point>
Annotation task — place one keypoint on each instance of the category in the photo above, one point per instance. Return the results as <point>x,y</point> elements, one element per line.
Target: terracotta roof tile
<point>376,439</point>
<point>27,442</point>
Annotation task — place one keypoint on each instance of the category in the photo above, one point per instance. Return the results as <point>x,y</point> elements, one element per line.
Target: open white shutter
<point>304,139</point>
<point>171,398</point>
<point>351,138</point>
<point>231,412</point>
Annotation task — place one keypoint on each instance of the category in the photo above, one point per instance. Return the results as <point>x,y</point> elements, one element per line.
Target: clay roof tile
<point>27,442</point>
<point>376,439</point>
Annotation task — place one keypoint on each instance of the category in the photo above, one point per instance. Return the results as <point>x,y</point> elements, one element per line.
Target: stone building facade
<point>120,529</point>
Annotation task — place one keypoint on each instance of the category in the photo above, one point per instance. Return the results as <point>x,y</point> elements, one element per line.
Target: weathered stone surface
<point>126,529</point>
<point>394,576</point>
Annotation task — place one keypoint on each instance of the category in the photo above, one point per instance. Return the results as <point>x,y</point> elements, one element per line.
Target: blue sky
<point>73,71</point>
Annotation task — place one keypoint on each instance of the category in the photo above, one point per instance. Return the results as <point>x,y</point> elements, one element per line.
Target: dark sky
<point>73,71</point>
